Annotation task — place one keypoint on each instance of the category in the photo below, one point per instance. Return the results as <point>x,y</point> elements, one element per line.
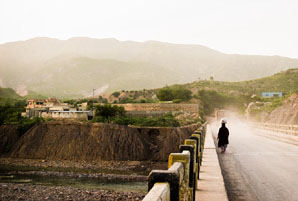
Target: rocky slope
<point>287,113</point>
<point>85,141</point>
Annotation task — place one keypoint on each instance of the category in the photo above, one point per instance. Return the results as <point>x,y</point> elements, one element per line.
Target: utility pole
<point>93,99</point>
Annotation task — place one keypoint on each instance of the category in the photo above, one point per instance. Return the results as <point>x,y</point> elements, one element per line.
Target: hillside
<point>287,113</point>
<point>47,65</point>
<point>8,93</point>
<point>285,81</point>
<point>77,76</point>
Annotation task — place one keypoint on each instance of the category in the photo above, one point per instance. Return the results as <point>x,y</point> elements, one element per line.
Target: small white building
<point>83,115</point>
<point>52,108</point>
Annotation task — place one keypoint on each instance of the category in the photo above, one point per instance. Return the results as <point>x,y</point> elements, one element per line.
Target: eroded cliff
<point>9,135</point>
<point>86,141</point>
<point>287,113</point>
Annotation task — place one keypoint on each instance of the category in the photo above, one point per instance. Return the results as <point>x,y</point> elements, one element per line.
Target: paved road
<point>260,166</point>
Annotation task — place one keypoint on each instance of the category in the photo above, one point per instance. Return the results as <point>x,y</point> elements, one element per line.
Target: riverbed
<point>27,179</point>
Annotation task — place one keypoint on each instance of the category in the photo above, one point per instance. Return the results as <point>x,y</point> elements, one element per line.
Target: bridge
<point>261,163</point>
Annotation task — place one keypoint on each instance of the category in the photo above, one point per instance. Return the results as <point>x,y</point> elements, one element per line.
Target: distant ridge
<point>8,93</point>
<point>73,67</point>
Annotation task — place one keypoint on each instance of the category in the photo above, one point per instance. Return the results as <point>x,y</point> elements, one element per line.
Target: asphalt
<point>259,165</point>
<point>211,185</point>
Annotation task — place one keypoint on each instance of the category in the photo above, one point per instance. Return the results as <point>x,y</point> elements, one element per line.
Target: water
<point>7,176</point>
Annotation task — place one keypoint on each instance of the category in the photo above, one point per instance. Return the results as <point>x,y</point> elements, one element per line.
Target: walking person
<point>223,136</point>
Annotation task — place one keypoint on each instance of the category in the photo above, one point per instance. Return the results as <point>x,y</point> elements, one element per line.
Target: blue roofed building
<point>271,94</point>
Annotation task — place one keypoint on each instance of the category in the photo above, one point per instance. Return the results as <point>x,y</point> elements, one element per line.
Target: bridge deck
<point>211,185</point>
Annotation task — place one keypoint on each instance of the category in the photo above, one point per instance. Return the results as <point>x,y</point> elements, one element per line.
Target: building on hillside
<point>52,102</point>
<point>35,103</point>
<point>41,103</point>
<point>271,94</point>
<point>52,108</point>
<point>82,106</point>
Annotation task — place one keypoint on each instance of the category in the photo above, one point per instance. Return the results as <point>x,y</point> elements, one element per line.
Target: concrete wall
<point>65,115</point>
<point>193,108</point>
<point>149,113</point>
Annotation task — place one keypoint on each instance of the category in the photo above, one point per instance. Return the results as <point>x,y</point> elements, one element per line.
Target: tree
<point>108,111</point>
<point>116,94</point>
<point>182,93</point>
<point>173,93</point>
<point>165,94</point>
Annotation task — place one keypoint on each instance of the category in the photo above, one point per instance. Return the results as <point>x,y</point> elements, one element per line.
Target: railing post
<point>199,133</point>
<point>173,176</point>
<point>160,191</point>
<point>192,177</point>
<point>192,143</point>
<point>197,166</point>
<point>184,158</point>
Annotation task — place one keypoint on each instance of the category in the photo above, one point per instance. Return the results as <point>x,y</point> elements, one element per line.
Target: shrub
<point>165,94</point>
<point>174,92</point>
<point>105,101</point>
<point>210,100</point>
<point>127,100</point>
<point>106,112</point>
<point>116,94</point>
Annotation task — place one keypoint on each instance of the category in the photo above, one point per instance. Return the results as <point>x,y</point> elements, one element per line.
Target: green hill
<point>237,95</point>
<point>8,93</point>
<point>8,96</point>
<point>286,82</point>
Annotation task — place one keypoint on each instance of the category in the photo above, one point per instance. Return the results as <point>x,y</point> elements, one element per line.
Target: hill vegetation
<point>286,82</point>
<point>116,114</point>
<point>174,93</point>
<point>210,94</point>
<point>10,113</point>
<point>72,68</point>
<point>8,93</point>
<point>217,94</point>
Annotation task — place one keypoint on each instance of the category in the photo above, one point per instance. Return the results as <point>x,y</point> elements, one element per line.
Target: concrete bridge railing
<point>282,128</point>
<point>180,181</point>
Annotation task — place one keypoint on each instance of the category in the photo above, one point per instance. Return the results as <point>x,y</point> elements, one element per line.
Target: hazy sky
<point>267,27</point>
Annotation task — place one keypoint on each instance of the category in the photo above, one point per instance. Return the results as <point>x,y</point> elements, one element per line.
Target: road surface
<point>259,165</point>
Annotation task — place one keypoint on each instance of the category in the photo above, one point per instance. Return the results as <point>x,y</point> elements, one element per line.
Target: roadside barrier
<point>282,128</point>
<point>180,181</point>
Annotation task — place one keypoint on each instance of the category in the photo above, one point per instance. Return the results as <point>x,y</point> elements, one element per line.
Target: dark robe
<point>223,136</point>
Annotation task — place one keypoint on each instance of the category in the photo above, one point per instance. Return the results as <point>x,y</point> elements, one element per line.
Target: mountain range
<point>78,66</point>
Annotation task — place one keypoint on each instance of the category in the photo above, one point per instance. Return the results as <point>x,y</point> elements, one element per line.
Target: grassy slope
<point>8,96</point>
<point>286,82</point>
<point>7,93</point>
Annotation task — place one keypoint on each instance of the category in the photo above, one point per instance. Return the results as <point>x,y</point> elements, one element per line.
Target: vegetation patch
<point>116,114</point>
<point>174,93</point>
<point>11,114</point>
